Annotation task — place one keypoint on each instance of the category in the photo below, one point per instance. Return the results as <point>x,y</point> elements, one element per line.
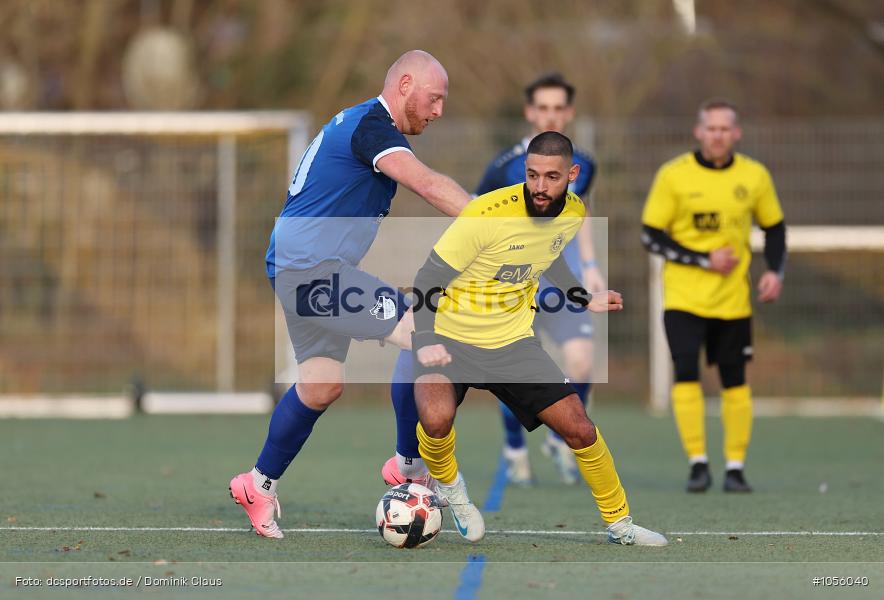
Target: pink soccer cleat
<point>259,507</point>
<point>392,476</point>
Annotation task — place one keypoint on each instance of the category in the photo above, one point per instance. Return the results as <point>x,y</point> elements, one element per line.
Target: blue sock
<point>582,390</point>
<point>290,426</point>
<point>402,395</point>
<point>515,434</point>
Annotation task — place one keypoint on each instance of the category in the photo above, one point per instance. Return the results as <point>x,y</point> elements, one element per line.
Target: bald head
<point>415,63</point>
<point>415,89</point>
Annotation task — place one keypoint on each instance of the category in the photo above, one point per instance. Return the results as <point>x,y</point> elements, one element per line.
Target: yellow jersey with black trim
<point>703,209</point>
<point>500,252</point>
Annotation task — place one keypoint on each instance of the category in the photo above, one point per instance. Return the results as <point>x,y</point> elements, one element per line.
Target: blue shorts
<point>331,304</point>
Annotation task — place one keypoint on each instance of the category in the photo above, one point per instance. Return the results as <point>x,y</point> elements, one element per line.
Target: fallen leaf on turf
<point>100,495</point>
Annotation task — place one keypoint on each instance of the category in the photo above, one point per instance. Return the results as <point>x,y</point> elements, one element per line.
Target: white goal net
<point>132,248</point>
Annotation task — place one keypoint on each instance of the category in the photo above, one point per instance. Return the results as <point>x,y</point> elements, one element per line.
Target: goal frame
<point>226,125</point>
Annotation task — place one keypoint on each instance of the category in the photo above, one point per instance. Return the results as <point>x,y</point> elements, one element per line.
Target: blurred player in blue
<point>340,192</point>
<point>549,106</point>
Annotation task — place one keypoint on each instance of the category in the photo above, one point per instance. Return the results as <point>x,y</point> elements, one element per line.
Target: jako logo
<point>513,273</point>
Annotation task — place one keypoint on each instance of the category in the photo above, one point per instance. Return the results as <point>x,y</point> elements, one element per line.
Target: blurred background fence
<point>109,251</point>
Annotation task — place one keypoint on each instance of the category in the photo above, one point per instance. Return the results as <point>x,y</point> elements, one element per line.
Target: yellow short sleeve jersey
<point>501,253</point>
<point>702,209</point>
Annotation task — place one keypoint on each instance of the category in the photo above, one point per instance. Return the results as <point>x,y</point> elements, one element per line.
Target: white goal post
<point>800,239</point>
<point>223,129</point>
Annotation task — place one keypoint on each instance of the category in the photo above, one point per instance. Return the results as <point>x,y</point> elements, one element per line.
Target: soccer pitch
<point>148,497</point>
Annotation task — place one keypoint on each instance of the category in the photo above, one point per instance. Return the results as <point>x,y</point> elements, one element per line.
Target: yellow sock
<point>736,420</point>
<point>438,454</point>
<point>597,467</point>
<point>687,404</point>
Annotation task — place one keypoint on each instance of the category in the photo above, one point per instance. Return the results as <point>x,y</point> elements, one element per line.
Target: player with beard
<point>338,195</point>
<point>485,270</point>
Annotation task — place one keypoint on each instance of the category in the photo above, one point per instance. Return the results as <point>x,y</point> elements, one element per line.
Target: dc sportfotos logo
<point>325,298</point>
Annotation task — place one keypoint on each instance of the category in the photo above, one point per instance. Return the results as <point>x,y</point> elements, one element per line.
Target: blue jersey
<point>508,168</point>
<point>338,177</point>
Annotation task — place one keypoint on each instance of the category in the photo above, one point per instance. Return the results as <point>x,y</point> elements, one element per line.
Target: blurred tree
<point>627,57</point>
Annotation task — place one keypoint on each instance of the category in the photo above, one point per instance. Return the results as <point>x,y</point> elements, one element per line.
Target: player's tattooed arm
<point>659,242</point>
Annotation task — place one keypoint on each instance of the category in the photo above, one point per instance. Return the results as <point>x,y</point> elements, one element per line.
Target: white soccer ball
<point>409,516</point>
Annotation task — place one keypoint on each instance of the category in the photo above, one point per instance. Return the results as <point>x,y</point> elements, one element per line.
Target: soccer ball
<point>409,516</point>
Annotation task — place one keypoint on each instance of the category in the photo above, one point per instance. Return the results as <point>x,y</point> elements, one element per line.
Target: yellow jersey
<point>704,208</point>
<point>500,252</point>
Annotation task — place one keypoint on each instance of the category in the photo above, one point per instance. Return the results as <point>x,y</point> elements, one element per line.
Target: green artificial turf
<point>172,472</point>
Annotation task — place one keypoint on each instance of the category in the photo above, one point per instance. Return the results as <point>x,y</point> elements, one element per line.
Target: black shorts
<point>520,374</point>
<point>727,341</point>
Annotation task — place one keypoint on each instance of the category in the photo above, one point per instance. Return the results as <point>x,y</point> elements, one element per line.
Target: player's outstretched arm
<point>437,189</point>
<point>560,275</point>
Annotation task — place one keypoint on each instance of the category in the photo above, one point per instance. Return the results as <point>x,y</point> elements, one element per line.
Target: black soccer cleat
<point>699,480</point>
<point>735,482</point>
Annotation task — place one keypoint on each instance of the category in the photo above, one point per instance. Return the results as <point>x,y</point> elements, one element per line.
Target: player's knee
<point>319,396</point>
<point>687,367</point>
<point>580,434</point>
<point>437,425</point>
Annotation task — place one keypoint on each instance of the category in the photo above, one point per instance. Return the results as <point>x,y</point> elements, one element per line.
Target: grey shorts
<point>331,304</point>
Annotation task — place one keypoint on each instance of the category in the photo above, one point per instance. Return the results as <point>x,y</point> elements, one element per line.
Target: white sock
<point>411,468</point>
<point>701,458</point>
<point>264,484</point>
<point>734,464</point>
<point>453,484</point>
<point>515,453</point>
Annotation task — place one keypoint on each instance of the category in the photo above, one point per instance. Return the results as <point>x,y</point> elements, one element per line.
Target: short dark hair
<point>549,80</point>
<point>718,103</point>
<point>551,143</point>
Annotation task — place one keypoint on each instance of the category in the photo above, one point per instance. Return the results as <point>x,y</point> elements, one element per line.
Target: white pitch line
<point>493,531</point>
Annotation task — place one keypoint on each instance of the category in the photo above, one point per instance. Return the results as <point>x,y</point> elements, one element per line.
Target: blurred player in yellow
<point>698,216</point>
<point>485,270</point>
